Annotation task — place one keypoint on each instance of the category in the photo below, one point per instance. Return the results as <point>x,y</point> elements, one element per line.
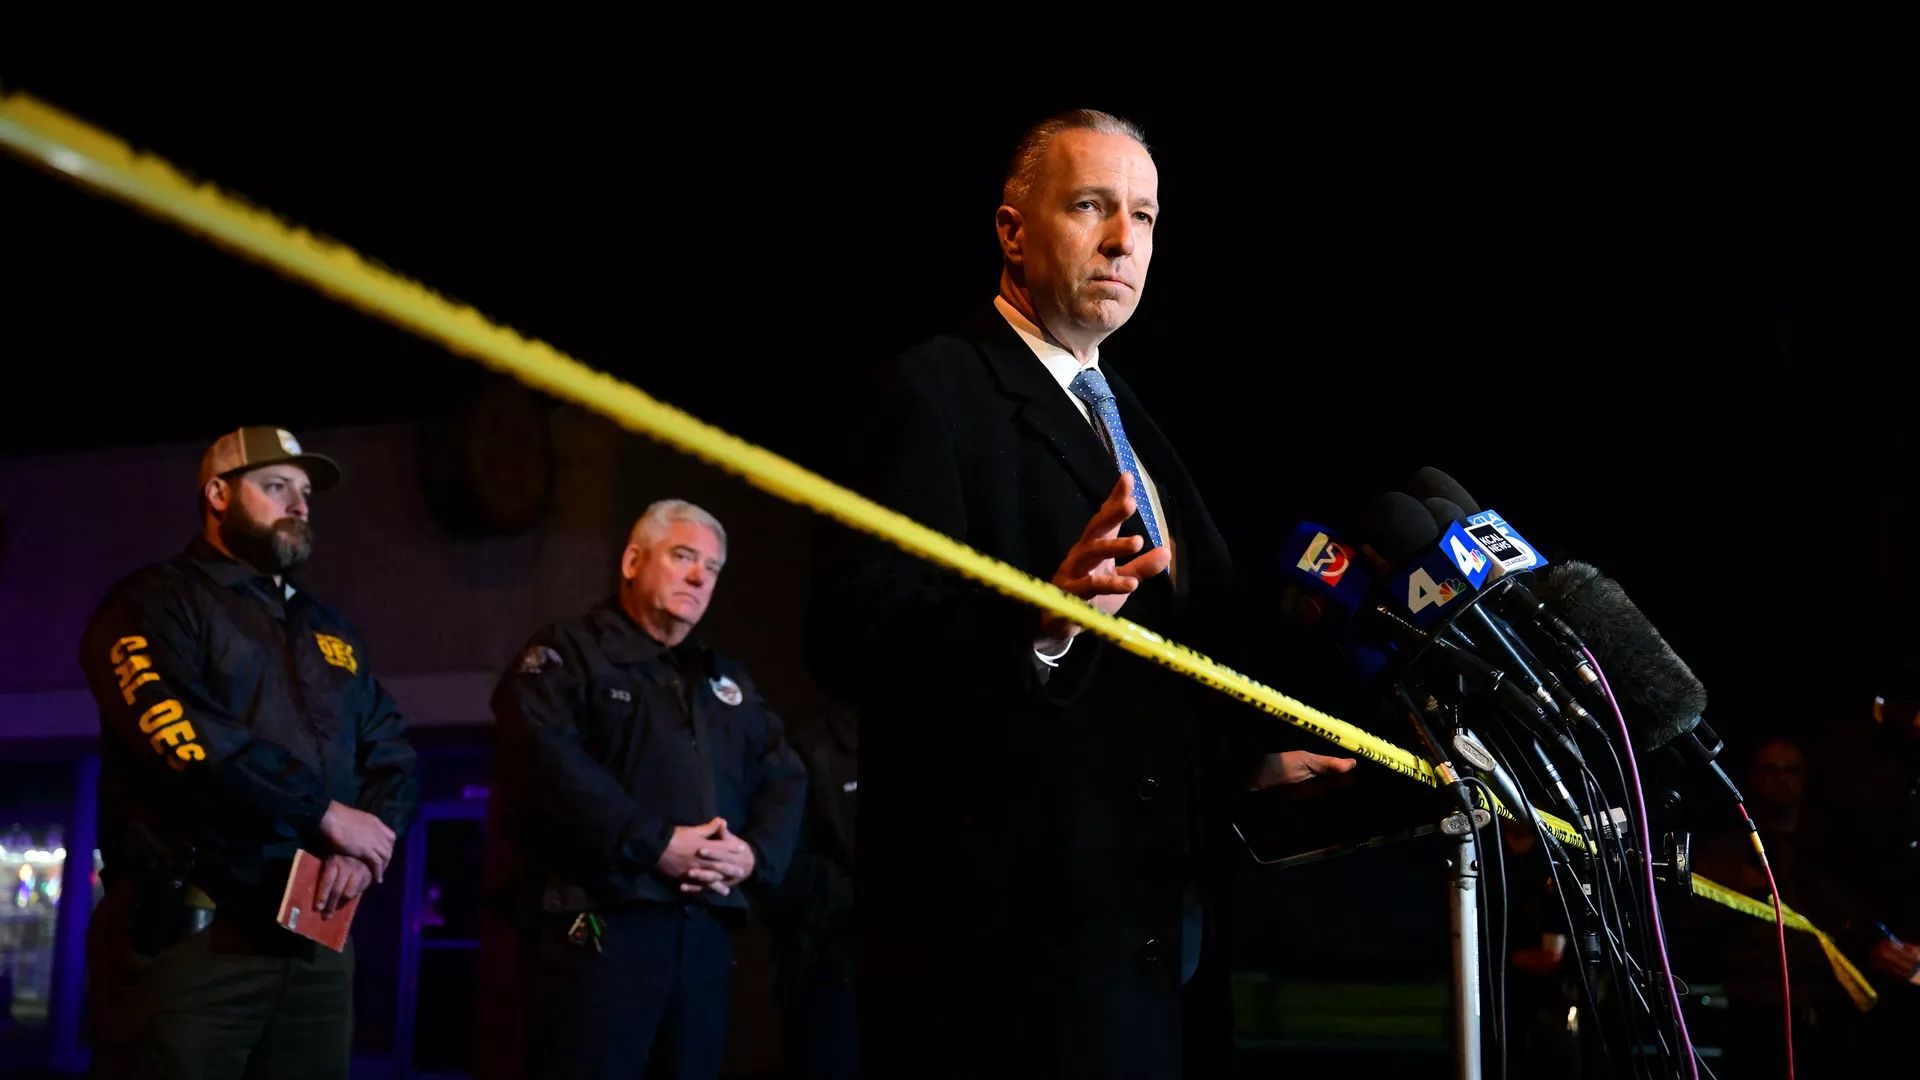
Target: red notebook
<point>297,912</point>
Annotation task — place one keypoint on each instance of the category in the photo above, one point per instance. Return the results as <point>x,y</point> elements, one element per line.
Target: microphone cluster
<point>1528,678</point>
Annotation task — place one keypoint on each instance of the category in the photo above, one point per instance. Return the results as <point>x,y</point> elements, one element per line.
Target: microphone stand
<point>1463,911</point>
<point>1460,828</point>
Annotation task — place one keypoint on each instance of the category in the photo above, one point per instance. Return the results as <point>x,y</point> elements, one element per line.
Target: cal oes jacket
<point>608,740</point>
<point>232,712</point>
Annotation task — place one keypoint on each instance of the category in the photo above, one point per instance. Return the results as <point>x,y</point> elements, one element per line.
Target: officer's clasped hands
<point>707,857</point>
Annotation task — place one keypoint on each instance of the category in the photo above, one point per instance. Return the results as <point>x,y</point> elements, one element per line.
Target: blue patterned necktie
<point>1091,387</point>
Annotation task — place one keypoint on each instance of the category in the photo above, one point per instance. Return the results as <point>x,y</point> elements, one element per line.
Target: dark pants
<point>823,1036</point>
<point>208,1007</point>
<point>652,1002</point>
<point>820,1011</point>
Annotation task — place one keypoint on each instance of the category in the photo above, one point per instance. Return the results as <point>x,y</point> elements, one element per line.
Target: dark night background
<point>1664,327</point>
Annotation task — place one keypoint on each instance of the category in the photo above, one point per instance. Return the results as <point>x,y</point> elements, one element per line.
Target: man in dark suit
<point>1037,802</point>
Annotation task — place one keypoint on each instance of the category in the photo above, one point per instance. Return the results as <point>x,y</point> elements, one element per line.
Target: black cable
<point>1550,846</point>
<point>1606,894</point>
<point>1618,953</point>
<point>1618,956</point>
<point>1508,748</point>
<point>1500,858</point>
<point>1638,966</point>
<point>1616,937</point>
<point>1607,887</point>
<point>1637,901</point>
<point>1643,916</point>
<point>1644,830</point>
<point>1573,940</point>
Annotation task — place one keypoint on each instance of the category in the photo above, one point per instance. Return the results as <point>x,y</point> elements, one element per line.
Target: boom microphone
<point>1647,672</point>
<point>1661,699</point>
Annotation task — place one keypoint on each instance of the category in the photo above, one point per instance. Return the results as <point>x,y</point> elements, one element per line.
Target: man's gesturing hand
<point>359,834</point>
<point>1296,766</point>
<point>1090,570</point>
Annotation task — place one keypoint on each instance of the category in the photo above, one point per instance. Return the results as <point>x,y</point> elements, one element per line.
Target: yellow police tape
<point>93,158</point>
<point>1863,995</point>
<point>50,138</point>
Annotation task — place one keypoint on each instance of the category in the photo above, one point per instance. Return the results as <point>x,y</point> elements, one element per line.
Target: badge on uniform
<point>726,690</point>
<point>537,659</point>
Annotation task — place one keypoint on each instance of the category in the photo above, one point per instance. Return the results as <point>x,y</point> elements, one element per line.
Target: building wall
<point>442,611</point>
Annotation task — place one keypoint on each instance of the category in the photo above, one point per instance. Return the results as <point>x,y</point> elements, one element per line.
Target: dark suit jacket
<point>1028,836</point>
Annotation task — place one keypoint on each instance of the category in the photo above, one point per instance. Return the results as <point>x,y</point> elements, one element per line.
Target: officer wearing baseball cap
<point>240,723</point>
<point>251,447</point>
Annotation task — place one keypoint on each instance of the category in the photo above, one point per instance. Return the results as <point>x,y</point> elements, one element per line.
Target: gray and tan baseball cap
<point>251,447</point>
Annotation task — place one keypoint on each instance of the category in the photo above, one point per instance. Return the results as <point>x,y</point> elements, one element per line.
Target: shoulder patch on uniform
<point>337,652</point>
<point>538,659</point>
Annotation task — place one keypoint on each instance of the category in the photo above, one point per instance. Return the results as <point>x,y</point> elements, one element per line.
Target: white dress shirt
<point>1063,367</point>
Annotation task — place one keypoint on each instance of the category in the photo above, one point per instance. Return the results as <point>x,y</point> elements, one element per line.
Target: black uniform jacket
<point>812,911</point>
<point>232,712</point>
<point>1027,835</point>
<point>607,740</point>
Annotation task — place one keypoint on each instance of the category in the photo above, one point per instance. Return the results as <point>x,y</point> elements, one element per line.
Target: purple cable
<point>1646,845</point>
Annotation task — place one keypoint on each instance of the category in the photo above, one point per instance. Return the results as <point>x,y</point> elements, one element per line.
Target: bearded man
<point>239,723</point>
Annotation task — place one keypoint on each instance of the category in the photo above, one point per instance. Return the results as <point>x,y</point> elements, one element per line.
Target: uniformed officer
<point>643,780</point>
<point>239,723</point>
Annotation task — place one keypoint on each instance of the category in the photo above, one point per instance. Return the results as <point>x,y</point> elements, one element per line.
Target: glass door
<point>440,942</point>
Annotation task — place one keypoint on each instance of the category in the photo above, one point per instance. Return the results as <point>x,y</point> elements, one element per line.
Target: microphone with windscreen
<point>1660,698</point>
